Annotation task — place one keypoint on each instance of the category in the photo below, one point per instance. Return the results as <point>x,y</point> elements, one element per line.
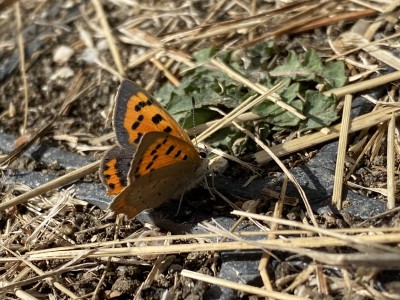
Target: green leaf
<point>334,74</point>
<point>203,55</point>
<point>199,116</point>
<point>165,94</point>
<point>319,110</point>
<point>311,69</point>
<point>291,68</point>
<point>224,138</point>
<point>277,115</point>
<point>205,88</point>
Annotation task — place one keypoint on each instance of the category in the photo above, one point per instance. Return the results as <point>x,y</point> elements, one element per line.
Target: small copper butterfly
<point>154,160</point>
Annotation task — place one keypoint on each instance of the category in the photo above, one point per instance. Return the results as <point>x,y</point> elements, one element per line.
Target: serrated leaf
<point>289,68</point>
<point>277,115</point>
<point>312,69</point>
<point>215,88</point>
<point>206,88</point>
<point>299,71</point>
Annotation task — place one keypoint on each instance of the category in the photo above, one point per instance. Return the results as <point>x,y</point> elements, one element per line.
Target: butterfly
<point>154,159</point>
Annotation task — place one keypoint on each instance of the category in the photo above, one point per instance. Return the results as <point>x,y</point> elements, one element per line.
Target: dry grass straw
<point>239,286</point>
<point>311,15</point>
<point>208,31</point>
<point>391,164</point>
<point>48,276</point>
<point>164,69</point>
<point>355,40</point>
<point>74,94</point>
<point>52,185</point>
<point>390,5</point>
<point>362,46</point>
<point>349,89</point>
<point>327,20</point>
<point>246,105</point>
<point>354,242</point>
<point>284,169</point>
<point>372,247</point>
<point>262,266</point>
<point>259,88</point>
<point>282,233</point>
<point>365,121</point>
<point>296,245</point>
<point>359,39</point>
<point>109,36</point>
<point>366,148</point>
<point>21,53</point>
<point>333,238</point>
<point>341,155</point>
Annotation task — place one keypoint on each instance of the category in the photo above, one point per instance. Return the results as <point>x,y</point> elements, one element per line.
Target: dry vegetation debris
<point>60,64</point>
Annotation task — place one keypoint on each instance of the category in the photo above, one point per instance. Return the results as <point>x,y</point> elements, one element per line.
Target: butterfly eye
<point>203,154</point>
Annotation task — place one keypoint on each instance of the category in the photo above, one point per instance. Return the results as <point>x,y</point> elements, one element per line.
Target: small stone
<point>218,165</point>
<point>174,268</point>
<point>62,54</point>
<point>63,73</point>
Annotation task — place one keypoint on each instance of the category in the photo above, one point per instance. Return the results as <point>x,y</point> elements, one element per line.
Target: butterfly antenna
<point>194,121</point>
<point>181,199</point>
<point>203,154</point>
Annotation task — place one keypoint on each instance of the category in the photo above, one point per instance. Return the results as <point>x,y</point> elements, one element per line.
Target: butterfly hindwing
<point>153,189</point>
<point>137,113</point>
<point>114,169</point>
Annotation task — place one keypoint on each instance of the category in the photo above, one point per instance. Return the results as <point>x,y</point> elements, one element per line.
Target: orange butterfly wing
<point>114,169</point>
<point>156,188</point>
<point>155,159</point>
<point>137,113</point>
<point>158,150</point>
<point>164,167</point>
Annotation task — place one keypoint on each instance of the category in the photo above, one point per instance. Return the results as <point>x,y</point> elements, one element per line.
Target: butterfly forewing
<point>137,113</point>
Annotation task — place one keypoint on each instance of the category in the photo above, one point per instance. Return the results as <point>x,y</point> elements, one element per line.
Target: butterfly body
<point>154,160</point>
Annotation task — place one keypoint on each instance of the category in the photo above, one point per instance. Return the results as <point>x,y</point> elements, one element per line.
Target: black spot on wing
<point>139,106</point>
<point>170,149</point>
<point>135,125</point>
<point>139,136</point>
<point>156,119</point>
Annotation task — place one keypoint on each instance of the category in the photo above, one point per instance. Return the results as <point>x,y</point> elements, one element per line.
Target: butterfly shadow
<point>180,217</point>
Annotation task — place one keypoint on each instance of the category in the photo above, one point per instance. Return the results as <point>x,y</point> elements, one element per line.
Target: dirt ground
<point>61,66</point>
